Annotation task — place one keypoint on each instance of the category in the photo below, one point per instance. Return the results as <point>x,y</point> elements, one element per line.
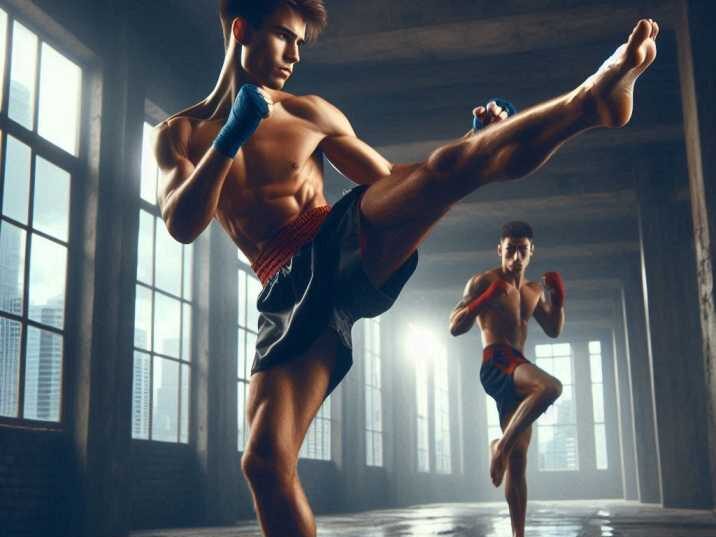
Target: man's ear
<point>499,250</point>
<point>532,248</point>
<point>240,30</point>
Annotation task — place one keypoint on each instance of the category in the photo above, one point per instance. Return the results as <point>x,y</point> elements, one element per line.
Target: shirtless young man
<point>502,302</point>
<point>252,158</point>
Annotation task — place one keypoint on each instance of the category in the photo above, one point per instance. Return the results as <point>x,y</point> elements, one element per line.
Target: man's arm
<point>549,312</point>
<point>351,156</point>
<point>187,195</point>
<point>478,294</point>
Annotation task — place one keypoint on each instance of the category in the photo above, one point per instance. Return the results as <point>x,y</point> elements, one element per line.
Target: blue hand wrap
<point>248,110</point>
<point>507,106</point>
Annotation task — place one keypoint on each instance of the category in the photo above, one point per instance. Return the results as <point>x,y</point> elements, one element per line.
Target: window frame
<point>76,167</point>
<point>153,115</point>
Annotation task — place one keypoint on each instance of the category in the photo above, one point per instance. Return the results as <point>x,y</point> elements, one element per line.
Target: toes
<point>655,30</point>
<point>641,32</point>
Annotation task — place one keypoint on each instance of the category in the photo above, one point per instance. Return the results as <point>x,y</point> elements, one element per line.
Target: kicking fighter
<point>502,302</point>
<point>250,155</point>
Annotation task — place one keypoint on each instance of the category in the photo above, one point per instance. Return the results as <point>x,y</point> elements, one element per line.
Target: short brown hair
<point>517,230</point>
<point>257,11</point>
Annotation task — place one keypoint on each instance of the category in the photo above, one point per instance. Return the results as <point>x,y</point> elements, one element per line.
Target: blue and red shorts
<point>499,362</point>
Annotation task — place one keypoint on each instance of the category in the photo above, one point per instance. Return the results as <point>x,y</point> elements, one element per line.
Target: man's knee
<point>551,390</point>
<point>272,469</point>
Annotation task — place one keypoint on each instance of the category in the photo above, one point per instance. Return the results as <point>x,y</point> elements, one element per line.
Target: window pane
<point>185,383</point>
<point>165,411</point>
<point>51,208</point>
<point>149,167</point>
<point>43,375</point>
<point>48,265</point>
<point>252,295</point>
<point>168,261</point>
<point>143,318</point>
<point>598,402</point>
<point>141,395</point>
<point>250,351</point>
<point>242,257</point>
<point>600,438</point>
<point>167,319</point>
<point>186,333</point>
<point>595,347</point>
<point>188,269</point>
<point>145,251</point>
<point>493,418</point>
<point>12,267</point>
<point>10,333</point>
<point>60,90</point>
<point>241,414</point>
<point>3,50</point>
<point>241,354</point>
<point>242,298</point>
<point>563,369</point>
<point>22,75</point>
<point>16,194</point>
<point>595,366</point>
<point>558,448</point>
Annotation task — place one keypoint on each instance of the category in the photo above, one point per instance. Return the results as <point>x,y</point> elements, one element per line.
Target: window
<point>421,384</point>
<point>430,361</point>
<point>39,137</point>
<point>557,428</point>
<point>600,434</point>
<point>317,444</point>
<point>442,414</point>
<point>373,392</point>
<point>249,288</point>
<point>162,320</point>
<point>494,431</point>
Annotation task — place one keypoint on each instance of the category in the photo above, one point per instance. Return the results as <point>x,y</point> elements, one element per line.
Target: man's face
<point>270,53</point>
<point>515,254</point>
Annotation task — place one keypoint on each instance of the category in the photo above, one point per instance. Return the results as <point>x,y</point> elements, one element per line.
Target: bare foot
<point>611,89</point>
<point>498,464</point>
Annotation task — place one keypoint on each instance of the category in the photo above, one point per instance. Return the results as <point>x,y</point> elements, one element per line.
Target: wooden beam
<point>498,35</point>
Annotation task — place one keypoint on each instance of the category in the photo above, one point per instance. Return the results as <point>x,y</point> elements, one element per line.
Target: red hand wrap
<point>490,293</point>
<point>554,281</point>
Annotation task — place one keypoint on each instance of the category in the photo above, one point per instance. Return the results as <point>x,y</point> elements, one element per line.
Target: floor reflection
<point>544,519</point>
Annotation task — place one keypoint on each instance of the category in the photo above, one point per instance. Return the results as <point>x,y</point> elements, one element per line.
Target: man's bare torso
<point>276,175</point>
<point>506,318</point>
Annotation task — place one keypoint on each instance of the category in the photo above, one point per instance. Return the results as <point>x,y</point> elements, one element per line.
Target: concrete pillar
<point>99,371</point>
<point>677,367</point>
<point>642,394</point>
<point>214,426</point>
<point>697,67</point>
<point>625,415</point>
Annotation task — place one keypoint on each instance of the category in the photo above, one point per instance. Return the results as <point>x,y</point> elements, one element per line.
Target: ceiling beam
<point>501,35</point>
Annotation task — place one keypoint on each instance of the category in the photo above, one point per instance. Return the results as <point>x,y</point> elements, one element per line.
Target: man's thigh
<point>528,378</point>
<point>284,399</point>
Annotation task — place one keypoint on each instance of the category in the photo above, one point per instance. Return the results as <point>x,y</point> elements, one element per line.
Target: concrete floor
<point>544,519</point>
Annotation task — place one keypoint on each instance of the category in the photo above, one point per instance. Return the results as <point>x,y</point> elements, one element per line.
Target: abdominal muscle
<point>276,176</point>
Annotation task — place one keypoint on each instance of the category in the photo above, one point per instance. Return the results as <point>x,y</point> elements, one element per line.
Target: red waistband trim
<point>287,241</point>
<point>508,351</point>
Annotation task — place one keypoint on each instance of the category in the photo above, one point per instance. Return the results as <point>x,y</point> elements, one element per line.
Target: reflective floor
<point>544,519</point>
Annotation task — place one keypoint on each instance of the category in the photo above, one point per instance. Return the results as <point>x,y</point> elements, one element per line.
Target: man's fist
<point>554,285</point>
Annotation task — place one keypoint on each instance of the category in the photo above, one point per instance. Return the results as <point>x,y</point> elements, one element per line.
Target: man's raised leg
<point>539,390</point>
<point>400,209</point>
<point>282,403</point>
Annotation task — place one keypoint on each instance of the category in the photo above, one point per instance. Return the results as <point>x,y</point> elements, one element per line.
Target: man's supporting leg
<point>282,403</point>
<point>539,390</point>
<point>400,209</point>
<point>516,483</point>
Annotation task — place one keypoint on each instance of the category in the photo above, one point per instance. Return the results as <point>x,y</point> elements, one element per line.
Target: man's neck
<point>516,278</point>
